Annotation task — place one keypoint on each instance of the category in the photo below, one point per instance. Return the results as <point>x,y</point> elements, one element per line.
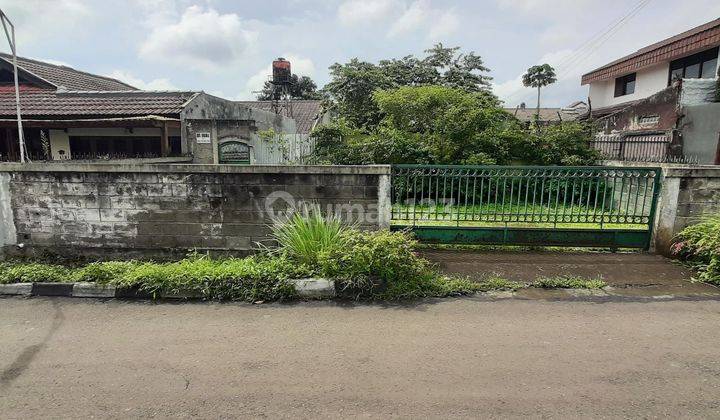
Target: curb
<point>310,288</point>
<point>315,288</point>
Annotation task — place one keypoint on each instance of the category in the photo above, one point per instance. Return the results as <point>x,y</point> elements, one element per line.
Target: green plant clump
<point>34,272</point>
<point>699,244</point>
<point>568,282</point>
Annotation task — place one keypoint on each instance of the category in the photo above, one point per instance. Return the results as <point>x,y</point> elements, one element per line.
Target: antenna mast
<point>11,40</point>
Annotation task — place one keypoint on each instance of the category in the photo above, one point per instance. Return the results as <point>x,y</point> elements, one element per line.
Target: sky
<point>225,47</point>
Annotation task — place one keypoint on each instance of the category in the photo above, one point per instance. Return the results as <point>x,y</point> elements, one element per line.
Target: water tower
<point>281,83</point>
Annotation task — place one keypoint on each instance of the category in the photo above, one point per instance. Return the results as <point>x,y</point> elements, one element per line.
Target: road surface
<point>471,357</point>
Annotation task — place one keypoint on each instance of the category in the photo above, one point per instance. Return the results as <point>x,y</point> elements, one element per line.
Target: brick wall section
<point>689,194</point>
<point>179,206</point>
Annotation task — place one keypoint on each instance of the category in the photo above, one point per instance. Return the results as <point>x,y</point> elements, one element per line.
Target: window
<point>625,85</point>
<point>700,65</point>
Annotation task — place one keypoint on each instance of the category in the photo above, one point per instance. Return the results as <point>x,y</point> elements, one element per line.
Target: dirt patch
<point>620,270</point>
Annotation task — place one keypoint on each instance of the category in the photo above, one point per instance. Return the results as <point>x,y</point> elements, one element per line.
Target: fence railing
<point>575,197</point>
<point>41,157</point>
<point>638,148</point>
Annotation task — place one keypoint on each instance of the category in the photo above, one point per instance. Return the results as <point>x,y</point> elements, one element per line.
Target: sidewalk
<point>629,274</point>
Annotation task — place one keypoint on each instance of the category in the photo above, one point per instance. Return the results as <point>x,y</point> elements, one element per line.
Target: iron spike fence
<point>639,148</point>
<point>552,203</point>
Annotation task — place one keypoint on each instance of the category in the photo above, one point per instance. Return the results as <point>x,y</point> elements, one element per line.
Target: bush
<point>307,234</point>
<point>249,279</point>
<point>103,272</point>
<point>33,272</point>
<point>700,245</point>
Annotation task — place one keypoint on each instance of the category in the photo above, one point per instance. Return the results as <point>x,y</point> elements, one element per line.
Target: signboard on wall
<point>234,152</point>
<point>203,138</point>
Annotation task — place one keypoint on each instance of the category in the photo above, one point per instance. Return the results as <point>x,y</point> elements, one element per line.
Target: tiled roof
<point>39,102</point>
<point>686,43</point>
<point>67,77</point>
<point>546,114</point>
<point>305,112</point>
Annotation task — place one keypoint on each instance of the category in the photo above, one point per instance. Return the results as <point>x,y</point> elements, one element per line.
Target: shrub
<point>568,282</point>
<point>33,272</point>
<point>700,244</point>
<point>248,279</point>
<point>307,234</point>
<point>103,272</point>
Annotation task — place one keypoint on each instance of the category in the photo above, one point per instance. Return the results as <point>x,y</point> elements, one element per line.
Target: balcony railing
<point>639,148</point>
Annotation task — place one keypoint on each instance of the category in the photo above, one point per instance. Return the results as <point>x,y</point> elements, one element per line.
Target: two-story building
<point>660,102</point>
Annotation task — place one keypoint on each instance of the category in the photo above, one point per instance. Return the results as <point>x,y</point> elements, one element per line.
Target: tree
<point>352,84</point>
<point>302,87</point>
<point>539,77</point>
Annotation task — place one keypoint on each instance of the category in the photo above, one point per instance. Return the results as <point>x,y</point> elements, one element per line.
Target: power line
<point>587,48</point>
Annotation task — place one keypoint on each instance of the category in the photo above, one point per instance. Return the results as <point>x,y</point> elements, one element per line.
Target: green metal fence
<point>578,206</point>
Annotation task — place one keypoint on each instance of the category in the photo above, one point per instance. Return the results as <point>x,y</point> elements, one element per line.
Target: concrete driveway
<point>470,357</point>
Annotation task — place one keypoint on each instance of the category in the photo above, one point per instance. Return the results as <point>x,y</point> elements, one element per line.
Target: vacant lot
<point>456,358</point>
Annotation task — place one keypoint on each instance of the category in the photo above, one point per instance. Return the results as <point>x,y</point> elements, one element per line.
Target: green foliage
<point>700,244</point>
<point>441,125</point>
<point>33,272</point>
<point>301,87</point>
<point>568,282</point>
<point>539,76</point>
<point>248,279</point>
<point>353,83</point>
<point>494,283</point>
<point>306,234</point>
<point>103,272</point>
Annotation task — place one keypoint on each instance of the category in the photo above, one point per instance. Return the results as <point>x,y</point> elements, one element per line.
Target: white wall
<point>648,82</point>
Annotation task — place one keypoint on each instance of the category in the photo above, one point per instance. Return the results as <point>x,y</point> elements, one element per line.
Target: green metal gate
<point>527,205</point>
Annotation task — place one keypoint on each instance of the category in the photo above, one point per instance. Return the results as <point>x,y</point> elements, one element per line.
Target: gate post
<point>667,206</point>
<point>384,199</point>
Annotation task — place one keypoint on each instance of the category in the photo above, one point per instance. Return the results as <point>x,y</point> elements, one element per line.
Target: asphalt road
<point>473,357</point>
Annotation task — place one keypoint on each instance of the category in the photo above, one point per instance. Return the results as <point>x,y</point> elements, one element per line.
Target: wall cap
<point>197,168</point>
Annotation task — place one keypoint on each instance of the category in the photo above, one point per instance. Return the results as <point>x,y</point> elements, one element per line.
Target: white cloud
<point>352,12</point>
<point>154,84</point>
<point>40,19</point>
<point>447,24</point>
<point>411,19</point>
<point>300,66</point>
<point>202,40</point>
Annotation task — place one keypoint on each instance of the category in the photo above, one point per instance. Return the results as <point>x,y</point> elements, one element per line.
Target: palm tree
<point>538,77</point>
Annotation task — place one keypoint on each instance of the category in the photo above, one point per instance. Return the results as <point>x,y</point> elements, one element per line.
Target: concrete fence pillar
<point>384,201</point>
<point>8,235</point>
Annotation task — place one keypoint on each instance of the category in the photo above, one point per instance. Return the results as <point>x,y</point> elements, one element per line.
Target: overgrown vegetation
<point>374,265</point>
<point>699,245</point>
<point>436,109</point>
<point>568,282</point>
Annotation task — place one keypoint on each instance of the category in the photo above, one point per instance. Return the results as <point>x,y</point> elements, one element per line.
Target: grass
<point>568,282</point>
<point>492,215</point>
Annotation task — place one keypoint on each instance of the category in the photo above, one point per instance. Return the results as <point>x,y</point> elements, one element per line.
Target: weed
<point>568,282</point>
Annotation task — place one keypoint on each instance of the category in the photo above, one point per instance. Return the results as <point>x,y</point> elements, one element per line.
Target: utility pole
<point>11,40</point>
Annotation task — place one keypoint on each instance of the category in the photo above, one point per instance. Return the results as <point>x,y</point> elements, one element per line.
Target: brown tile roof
<point>305,112</point>
<point>696,39</point>
<point>37,102</point>
<point>546,114</point>
<point>67,77</point>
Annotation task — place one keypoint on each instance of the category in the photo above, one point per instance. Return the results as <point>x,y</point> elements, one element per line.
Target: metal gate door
<point>527,205</point>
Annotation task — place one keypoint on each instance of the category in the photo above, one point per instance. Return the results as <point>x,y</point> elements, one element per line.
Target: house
<point>548,116</point>
<point>659,103</point>
<point>70,114</point>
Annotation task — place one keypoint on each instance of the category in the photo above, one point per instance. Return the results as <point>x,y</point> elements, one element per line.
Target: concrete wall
<point>688,195</point>
<point>701,132</point>
<point>102,208</point>
<point>231,121</point>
